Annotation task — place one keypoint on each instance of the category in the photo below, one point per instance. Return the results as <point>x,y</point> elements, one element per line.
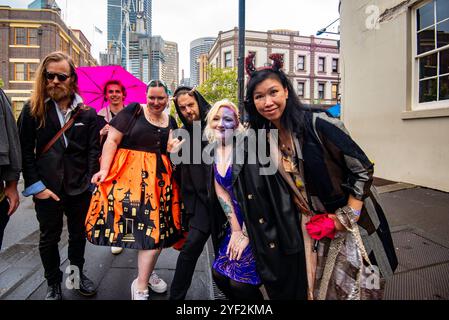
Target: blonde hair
<point>225,103</point>
<point>39,94</point>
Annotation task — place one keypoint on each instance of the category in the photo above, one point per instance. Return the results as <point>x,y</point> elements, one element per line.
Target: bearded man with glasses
<point>60,149</point>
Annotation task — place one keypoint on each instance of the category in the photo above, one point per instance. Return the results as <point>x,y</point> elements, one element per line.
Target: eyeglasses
<point>61,77</point>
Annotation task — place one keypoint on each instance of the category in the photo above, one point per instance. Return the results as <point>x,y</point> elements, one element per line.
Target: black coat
<point>60,169</point>
<point>273,225</point>
<point>193,177</point>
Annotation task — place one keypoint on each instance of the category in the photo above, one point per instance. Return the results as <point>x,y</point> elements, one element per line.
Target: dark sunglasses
<point>51,76</point>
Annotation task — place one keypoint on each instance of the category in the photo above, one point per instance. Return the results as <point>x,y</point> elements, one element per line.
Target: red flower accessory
<point>321,226</point>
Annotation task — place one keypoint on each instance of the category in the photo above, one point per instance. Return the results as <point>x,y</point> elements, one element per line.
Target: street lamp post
<point>321,31</point>
<point>241,59</point>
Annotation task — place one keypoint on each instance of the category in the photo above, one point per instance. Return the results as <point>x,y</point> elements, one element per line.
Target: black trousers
<point>4,218</point>
<point>50,216</point>
<point>185,266</point>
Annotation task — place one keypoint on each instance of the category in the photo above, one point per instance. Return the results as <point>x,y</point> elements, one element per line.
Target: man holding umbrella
<point>114,93</point>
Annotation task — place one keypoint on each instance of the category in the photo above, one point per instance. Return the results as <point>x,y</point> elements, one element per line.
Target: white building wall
<point>376,98</point>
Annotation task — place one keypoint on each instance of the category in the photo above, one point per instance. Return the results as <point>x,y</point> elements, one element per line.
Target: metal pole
<point>241,59</point>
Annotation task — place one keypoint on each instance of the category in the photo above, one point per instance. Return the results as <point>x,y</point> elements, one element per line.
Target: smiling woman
<point>136,203</point>
<point>329,177</point>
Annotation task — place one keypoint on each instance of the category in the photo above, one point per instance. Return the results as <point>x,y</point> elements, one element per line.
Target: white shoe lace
<point>154,278</point>
<point>138,295</point>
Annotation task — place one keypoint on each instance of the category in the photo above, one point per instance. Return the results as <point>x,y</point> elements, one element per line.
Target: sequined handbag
<point>344,270</point>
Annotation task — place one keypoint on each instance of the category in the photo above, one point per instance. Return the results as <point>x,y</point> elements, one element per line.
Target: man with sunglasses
<point>60,148</point>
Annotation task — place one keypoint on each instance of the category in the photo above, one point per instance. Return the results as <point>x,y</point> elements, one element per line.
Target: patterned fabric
<point>134,208</point>
<point>341,273</point>
<point>243,270</point>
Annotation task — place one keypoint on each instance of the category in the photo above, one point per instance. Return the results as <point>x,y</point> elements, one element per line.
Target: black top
<point>139,133</point>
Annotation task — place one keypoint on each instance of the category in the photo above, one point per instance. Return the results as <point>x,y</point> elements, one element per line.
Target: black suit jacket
<point>68,169</point>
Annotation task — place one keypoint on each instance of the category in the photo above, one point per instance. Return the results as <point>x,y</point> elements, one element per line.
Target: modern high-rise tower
<point>198,47</point>
<point>171,65</point>
<point>126,17</point>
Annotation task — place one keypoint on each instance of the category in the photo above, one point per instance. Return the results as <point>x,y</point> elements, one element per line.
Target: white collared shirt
<point>64,118</point>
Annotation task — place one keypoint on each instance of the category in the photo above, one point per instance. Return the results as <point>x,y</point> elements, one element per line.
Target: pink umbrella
<point>91,81</point>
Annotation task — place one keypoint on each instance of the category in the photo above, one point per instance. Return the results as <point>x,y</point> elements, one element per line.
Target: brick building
<point>26,37</point>
<point>311,63</point>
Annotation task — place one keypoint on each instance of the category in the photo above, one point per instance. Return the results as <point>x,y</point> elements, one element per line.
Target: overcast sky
<point>183,21</point>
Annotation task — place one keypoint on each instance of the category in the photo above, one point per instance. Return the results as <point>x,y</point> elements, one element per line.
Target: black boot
<point>87,287</point>
<point>54,292</point>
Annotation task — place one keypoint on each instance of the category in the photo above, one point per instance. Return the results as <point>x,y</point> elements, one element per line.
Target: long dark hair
<point>293,117</point>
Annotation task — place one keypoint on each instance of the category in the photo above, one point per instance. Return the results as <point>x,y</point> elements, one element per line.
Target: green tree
<point>221,84</point>
<point>1,83</point>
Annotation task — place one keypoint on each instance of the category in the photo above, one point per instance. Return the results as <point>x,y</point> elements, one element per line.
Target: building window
<point>17,107</point>
<point>25,36</point>
<point>24,71</point>
<point>321,64</point>
<point>228,59</point>
<point>20,36</point>
<point>335,65</point>
<point>32,37</point>
<point>301,89</point>
<point>321,87</point>
<point>432,53</point>
<point>301,63</point>
<point>76,58</point>
<point>64,46</point>
<point>31,68</point>
<point>334,91</point>
<point>19,71</point>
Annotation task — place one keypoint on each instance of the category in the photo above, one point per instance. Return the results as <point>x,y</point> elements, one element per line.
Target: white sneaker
<point>157,284</point>
<point>116,250</point>
<point>138,295</point>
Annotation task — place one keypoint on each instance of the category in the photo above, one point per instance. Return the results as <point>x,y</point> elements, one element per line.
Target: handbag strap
<point>66,127</point>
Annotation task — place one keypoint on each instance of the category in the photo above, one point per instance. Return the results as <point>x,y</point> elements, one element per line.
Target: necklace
<point>157,122</point>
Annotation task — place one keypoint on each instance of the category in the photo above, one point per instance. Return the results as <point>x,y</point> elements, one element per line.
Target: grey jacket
<point>10,155</point>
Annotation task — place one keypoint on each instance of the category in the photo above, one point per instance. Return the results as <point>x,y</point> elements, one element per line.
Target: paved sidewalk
<point>418,217</point>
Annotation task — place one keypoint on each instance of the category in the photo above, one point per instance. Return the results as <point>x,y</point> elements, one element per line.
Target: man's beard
<point>59,92</point>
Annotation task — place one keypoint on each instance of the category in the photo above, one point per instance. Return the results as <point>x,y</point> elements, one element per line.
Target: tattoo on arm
<point>226,207</point>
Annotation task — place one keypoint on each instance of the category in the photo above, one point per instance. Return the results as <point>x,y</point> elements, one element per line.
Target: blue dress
<point>244,270</point>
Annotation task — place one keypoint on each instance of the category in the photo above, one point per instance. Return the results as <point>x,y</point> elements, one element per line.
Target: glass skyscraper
<point>140,20</point>
<point>198,47</point>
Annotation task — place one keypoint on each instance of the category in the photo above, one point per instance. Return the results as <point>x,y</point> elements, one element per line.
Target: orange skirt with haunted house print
<point>137,206</point>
